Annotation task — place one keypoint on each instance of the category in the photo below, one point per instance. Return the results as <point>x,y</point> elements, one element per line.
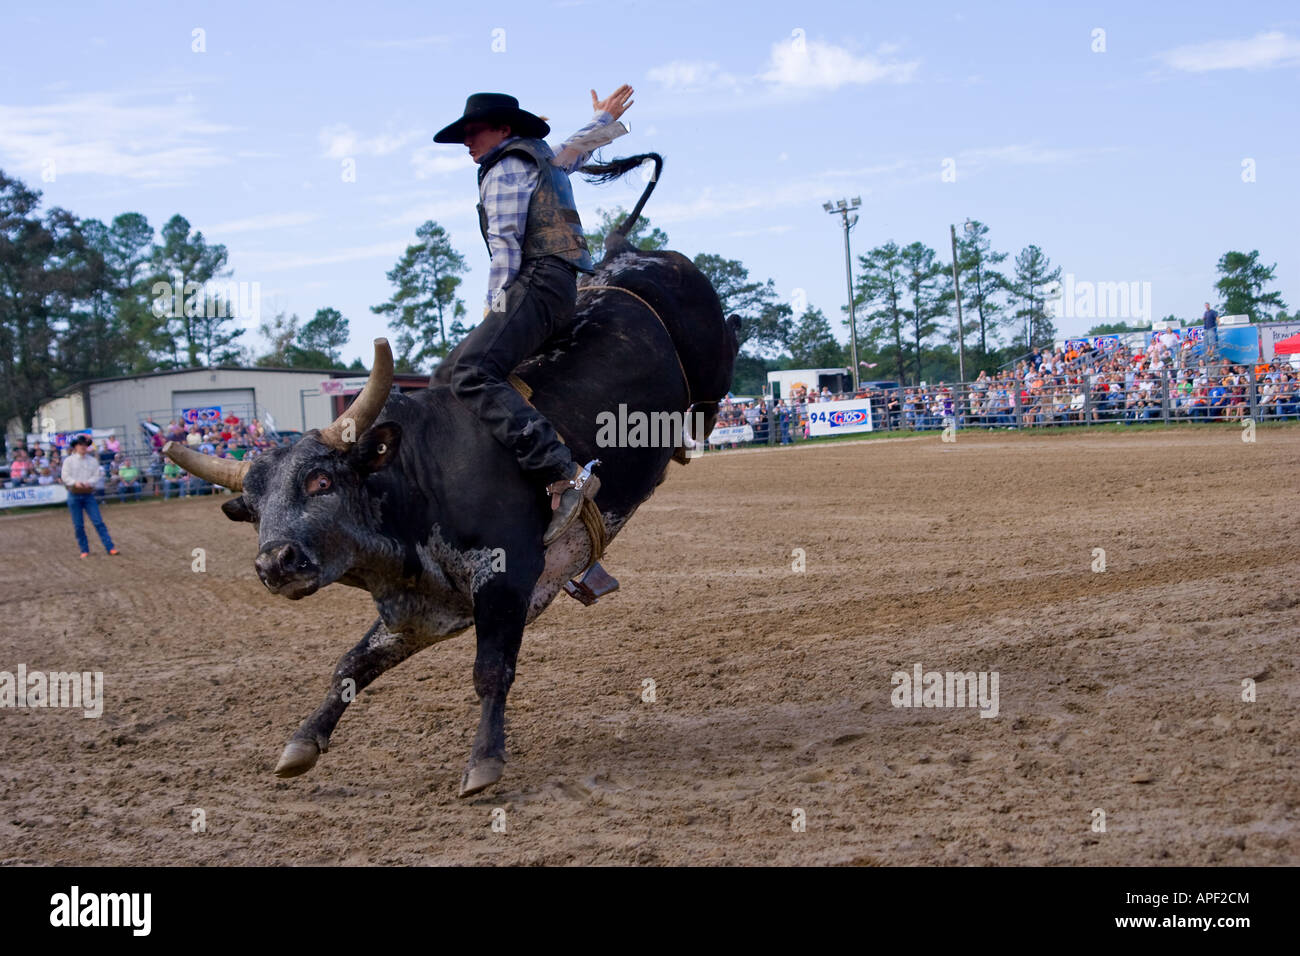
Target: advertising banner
<point>33,495</point>
<point>204,415</point>
<point>1271,335</point>
<point>61,439</point>
<point>342,386</point>
<point>839,418</point>
<point>731,434</point>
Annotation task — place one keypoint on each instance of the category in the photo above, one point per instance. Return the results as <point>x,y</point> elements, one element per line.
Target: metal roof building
<point>293,397</point>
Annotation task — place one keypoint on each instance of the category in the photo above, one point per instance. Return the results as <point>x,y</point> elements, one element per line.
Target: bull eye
<point>318,483</point>
<point>383,448</point>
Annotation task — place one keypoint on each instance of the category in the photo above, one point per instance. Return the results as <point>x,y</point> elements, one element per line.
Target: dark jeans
<point>79,503</point>
<point>538,304</point>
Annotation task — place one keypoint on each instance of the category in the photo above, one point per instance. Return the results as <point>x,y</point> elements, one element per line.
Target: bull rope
<point>590,514</point>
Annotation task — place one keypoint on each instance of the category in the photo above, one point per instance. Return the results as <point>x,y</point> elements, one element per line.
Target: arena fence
<point>1228,393</point>
<point>135,448</point>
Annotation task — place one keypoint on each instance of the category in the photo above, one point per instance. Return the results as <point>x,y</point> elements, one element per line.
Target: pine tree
<point>813,344</point>
<point>427,278</point>
<point>924,280</point>
<point>182,265</point>
<point>981,282</point>
<point>325,335</point>
<point>766,324</point>
<point>1242,286</point>
<point>880,292</point>
<point>641,236</point>
<point>1033,279</point>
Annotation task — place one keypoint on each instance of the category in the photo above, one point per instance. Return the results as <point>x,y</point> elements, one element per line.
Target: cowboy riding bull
<point>409,496</point>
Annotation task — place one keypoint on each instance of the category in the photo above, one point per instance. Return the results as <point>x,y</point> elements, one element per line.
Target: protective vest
<point>553,227</point>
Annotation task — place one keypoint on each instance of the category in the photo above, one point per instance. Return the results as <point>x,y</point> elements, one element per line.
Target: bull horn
<point>226,472</point>
<point>363,411</point>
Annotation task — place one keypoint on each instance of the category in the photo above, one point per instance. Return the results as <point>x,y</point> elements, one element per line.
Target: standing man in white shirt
<point>80,472</point>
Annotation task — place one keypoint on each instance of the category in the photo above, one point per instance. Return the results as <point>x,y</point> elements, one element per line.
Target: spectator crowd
<point>143,471</point>
<point>1052,387</point>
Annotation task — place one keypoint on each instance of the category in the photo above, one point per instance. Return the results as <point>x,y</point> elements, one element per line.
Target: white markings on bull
<point>566,558</point>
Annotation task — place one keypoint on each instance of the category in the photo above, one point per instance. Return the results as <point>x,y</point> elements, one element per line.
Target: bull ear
<point>237,509</point>
<point>377,448</point>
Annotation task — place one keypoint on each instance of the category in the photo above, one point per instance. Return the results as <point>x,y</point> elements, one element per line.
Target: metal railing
<point>136,447</point>
<point>1221,392</point>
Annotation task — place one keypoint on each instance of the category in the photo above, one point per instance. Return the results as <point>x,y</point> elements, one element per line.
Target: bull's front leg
<point>379,650</point>
<point>500,609</point>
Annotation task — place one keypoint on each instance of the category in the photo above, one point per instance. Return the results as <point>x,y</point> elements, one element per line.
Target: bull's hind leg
<point>499,614</point>
<point>379,650</point>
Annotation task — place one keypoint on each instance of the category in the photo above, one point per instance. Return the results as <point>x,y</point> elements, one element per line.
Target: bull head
<point>308,500</point>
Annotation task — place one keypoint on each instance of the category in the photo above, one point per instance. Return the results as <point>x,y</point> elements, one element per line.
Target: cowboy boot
<point>567,496</point>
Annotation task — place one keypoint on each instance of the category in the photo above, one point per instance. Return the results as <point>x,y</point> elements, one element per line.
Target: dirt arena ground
<point>1119,690</point>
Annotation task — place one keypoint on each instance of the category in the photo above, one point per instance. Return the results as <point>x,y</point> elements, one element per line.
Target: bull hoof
<point>299,756</point>
<point>481,775</point>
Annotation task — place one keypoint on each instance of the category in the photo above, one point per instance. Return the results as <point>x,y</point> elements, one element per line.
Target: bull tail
<point>608,172</point>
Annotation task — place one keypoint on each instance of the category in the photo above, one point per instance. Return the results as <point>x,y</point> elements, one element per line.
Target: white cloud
<point>1261,52</point>
<point>258,223</point>
<point>1020,154</point>
<point>112,135</point>
<point>764,231</point>
<point>439,210</point>
<point>410,43</point>
<point>434,160</point>
<point>795,65</point>
<point>715,203</point>
<point>692,76</point>
<point>812,64</point>
<point>278,262</point>
<point>341,140</point>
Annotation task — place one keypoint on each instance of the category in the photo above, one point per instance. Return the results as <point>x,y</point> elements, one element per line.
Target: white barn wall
<point>119,402</point>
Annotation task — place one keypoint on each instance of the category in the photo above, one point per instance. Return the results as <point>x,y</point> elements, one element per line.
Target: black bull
<point>425,510</point>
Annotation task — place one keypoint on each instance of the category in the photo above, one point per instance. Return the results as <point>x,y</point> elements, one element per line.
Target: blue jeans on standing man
<point>78,503</point>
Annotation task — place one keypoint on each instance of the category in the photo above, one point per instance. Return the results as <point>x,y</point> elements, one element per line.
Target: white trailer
<point>781,384</point>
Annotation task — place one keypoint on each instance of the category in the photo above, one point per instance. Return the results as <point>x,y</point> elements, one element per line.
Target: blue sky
<point>1124,165</point>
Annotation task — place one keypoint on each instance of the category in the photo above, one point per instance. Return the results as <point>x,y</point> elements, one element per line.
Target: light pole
<point>956,288</point>
<point>850,220</point>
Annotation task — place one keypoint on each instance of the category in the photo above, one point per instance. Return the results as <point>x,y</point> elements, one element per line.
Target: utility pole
<point>956,288</point>
<point>849,220</point>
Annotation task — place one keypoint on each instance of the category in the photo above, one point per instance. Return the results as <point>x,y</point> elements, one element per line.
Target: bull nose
<point>277,562</point>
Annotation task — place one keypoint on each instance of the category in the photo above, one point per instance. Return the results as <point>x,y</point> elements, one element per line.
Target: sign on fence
<point>61,439</point>
<point>33,495</point>
<point>731,434</point>
<point>1104,343</point>
<point>205,415</point>
<point>839,418</point>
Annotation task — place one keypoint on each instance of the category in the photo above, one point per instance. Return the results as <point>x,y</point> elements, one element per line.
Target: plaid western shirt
<point>509,185</point>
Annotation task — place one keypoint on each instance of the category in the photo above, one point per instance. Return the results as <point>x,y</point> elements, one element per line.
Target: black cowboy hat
<point>494,107</point>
